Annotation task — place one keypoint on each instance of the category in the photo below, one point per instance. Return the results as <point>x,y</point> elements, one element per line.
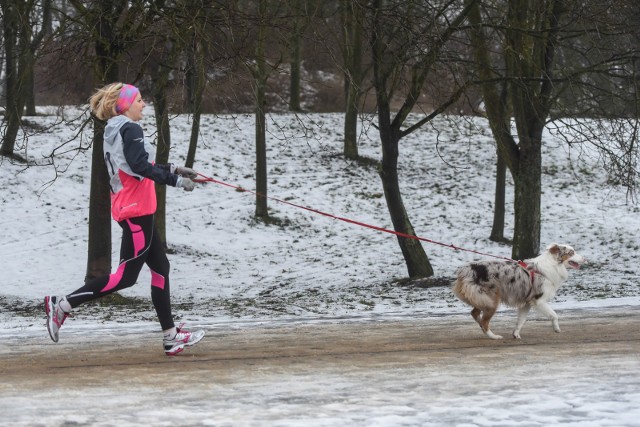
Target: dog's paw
<point>516,335</point>
<point>492,335</point>
<point>556,326</point>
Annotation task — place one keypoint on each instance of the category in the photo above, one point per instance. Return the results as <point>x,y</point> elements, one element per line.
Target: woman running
<point>133,205</point>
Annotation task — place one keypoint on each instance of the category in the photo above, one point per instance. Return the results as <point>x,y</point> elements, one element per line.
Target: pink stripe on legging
<point>138,245</point>
<point>114,278</point>
<point>138,238</point>
<point>157,280</point>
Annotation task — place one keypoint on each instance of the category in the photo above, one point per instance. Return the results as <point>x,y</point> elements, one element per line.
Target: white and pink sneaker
<point>55,316</point>
<point>181,340</point>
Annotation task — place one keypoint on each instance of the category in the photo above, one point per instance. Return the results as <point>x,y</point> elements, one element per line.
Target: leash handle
<point>204,179</point>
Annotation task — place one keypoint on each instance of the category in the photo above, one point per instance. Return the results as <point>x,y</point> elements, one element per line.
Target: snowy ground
<point>228,268</point>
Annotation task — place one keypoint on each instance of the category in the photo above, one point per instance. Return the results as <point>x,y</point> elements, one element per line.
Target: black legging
<point>140,245</point>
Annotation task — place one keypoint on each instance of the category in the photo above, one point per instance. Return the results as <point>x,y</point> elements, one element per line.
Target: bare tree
<point>260,37</point>
<point>497,107</point>
<point>43,28</point>
<point>208,32</point>
<point>407,40</point>
<point>196,76</point>
<point>161,66</point>
<point>353,49</point>
<point>299,18</point>
<point>553,62</point>
<point>260,74</point>
<point>24,27</point>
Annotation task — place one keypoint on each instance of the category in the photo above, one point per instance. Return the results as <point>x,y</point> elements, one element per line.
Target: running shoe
<point>55,316</point>
<point>181,340</point>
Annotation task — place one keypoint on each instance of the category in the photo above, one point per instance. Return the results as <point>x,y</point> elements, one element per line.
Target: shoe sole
<point>175,351</point>
<point>48,309</point>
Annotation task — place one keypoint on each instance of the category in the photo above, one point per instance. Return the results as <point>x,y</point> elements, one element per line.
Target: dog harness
<point>532,274</point>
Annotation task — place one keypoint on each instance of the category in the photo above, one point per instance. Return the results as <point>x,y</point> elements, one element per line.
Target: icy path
<point>338,372</point>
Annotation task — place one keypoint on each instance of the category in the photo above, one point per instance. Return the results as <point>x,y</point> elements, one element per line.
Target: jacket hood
<point>113,127</point>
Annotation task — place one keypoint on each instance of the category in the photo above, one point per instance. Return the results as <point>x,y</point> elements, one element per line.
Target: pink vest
<point>136,198</point>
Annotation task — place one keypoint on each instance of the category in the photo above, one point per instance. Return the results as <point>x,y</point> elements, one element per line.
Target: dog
<point>532,283</point>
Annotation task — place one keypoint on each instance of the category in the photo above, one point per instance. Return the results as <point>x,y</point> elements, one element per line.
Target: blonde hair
<point>103,101</point>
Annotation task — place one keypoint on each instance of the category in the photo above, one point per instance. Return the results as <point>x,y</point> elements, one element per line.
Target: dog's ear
<point>554,248</point>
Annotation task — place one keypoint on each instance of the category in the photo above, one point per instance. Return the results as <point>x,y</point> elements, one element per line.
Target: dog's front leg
<point>522,317</point>
<point>546,309</point>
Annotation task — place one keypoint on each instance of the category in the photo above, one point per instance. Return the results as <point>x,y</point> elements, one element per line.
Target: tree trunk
<point>99,244</point>
<point>166,52</point>
<point>497,230</point>
<point>260,76</point>
<point>162,153</point>
<point>14,82</point>
<point>30,95</point>
<point>530,45</point>
<point>190,75</point>
<point>526,239</point>
<point>262,211</point>
<point>351,124</point>
<point>529,96</point>
<point>198,83</point>
<point>195,132</point>
<point>352,39</point>
<point>20,45</point>
<point>34,45</point>
<point>386,66</point>
<point>418,264</point>
<point>294,82</point>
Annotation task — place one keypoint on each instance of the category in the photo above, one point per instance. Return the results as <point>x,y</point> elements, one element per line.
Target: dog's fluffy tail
<point>473,294</point>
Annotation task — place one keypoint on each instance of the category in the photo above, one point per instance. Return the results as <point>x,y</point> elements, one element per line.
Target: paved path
<point>429,371</point>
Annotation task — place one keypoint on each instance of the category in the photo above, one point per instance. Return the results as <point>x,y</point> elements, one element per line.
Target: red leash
<point>351,221</point>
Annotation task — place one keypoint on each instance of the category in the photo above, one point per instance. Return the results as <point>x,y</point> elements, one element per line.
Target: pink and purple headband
<point>127,96</point>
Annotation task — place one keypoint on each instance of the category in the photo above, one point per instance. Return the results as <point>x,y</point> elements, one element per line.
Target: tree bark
<point>198,84</point>
<point>497,230</point>
<point>30,95</point>
<point>294,81</point>
<point>262,210</point>
<point>99,239</point>
<point>161,111</point>
<point>352,39</point>
<point>15,50</point>
<point>34,45</point>
<point>260,76</point>
<point>418,264</point>
<point>528,191</point>
<point>167,50</point>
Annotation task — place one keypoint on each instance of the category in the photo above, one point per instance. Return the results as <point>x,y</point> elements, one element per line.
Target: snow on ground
<point>226,267</point>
